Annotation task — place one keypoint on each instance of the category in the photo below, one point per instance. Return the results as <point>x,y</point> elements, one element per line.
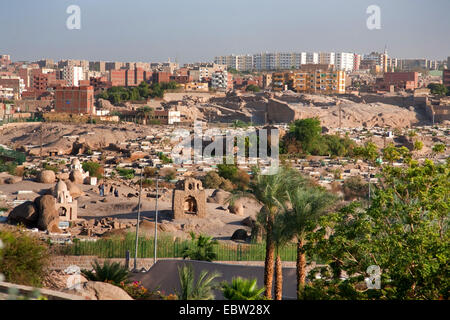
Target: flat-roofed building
<point>75,100</point>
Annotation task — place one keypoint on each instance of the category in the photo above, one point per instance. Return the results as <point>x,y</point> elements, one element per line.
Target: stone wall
<point>280,112</point>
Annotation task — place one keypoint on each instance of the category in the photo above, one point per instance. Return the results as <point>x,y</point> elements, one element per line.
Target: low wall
<point>27,291</point>
<point>85,262</point>
<point>441,113</point>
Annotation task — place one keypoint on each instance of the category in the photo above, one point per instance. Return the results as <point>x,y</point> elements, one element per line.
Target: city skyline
<point>199,30</point>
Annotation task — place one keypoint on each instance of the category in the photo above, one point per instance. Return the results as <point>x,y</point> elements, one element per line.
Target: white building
<point>344,61</point>
<point>327,58</point>
<point>299,59</point>
<point>219,80</point>
<point>73,75</point>
<point>312,58</point>
<point>173,116</point>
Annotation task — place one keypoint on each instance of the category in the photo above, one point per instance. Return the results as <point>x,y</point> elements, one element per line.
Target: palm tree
<point>307,205</point>
<point>270,191</point>
<point>146,112</point>
<point>196,290</point>
<point>242,289</point>
<point>281,237</point>
<point>109,272</point>
<point>203,248</point>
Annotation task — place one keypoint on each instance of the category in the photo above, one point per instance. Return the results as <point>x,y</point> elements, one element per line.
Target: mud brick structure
<point>189,199</point>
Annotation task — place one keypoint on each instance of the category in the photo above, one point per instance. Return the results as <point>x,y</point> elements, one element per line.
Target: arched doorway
<point>190,205</point>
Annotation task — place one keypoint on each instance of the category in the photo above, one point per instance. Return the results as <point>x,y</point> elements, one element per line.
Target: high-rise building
<point>312,58</point>
<point>99,66</point>
<point>327,58</point>
<point>72,75</point>
<point>344,61</point>
<point>356,61</point>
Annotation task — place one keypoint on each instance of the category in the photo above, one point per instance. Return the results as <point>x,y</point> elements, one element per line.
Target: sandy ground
<point>219,222</point>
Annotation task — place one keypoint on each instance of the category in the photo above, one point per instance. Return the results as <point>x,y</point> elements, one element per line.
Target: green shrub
<point>201,248</point>
<point>242,289</point>
<point>94,169</point>
<point>126,173</point>
<point>113,273</point>
<point>47,166</point>
<point>23,259</point>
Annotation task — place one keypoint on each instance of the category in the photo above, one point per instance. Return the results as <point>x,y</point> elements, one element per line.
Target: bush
<point>126,173</point>
<point>146,183</point>
<point>252,88</point>
<point>150,172</point>
<point>23,259</point>
<point>169,174</point>
<point>355,187</point>
<point>9,167</point>
<point>242,289</point>
<point>94,169</point>
<point>113,273</point>
<point>165,159</point>
<point>201,248</point>
<point>226,185</point>
<point>231,172</point>
<point>47,166</point>
<point>138,292</point>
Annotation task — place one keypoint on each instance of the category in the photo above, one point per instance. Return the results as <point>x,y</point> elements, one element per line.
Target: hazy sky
<point>198,30</point>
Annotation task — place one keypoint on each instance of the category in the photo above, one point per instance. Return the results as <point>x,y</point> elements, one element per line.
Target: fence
<point>169,248</point>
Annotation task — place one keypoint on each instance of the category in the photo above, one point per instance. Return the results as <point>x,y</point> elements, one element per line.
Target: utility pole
<point>137,224</point>
<point>156,221</point>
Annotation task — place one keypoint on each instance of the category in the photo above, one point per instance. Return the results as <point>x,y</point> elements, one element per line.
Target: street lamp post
<point>137,223</point>
<point>156,221</point>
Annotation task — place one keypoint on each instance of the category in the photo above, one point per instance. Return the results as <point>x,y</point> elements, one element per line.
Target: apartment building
<point>275,61</point>
<point>99,66</point>
<point>356,61</point>
<point>312,58</point>
<point>13,82</point>
<point>344,61</point>
<point>222,80</point>
<point>446,78</point>
<point>327,58</point>
<point>114,65</point>
<point>5,60</point>
<point>75,100</point>
<point>72,75</point>
<point>310,81</point>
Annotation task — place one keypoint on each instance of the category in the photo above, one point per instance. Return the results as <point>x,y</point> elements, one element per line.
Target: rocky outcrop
<point>76,176</point>
<point>25,213</point>
<point>46,176</point>
<point>48,215</point>
<point>237,208</point>
<point>240,234</point>
<point>41,213</point>
<point>249,222</point>
<point>75,191</point>
<point>218,196</point>
<point>95,290</point>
